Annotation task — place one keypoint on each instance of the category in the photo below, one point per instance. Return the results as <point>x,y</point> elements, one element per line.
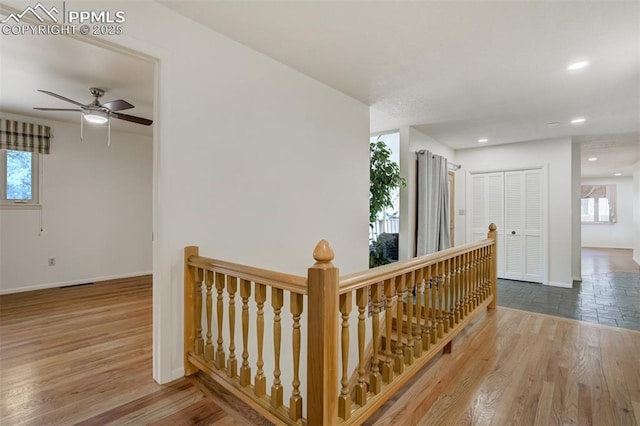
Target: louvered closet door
<point>523,225</point>
<point>487,206</point>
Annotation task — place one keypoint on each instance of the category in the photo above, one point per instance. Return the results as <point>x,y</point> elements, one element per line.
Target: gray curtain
<point>433,204</point>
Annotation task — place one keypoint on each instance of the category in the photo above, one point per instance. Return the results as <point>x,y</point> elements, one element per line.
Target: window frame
<point>596,212</point>
<point>34,202</point>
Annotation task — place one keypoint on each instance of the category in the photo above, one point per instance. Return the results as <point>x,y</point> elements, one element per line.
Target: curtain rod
<point>454,166</point>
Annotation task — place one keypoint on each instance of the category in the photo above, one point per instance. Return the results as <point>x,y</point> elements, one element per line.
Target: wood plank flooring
<point>512,367</point>
<point>82,355</point>
<point>603,260</point>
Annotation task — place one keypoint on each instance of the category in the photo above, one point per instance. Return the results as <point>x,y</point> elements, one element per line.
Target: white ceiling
<point>69,67</point>
<point>457,71</point>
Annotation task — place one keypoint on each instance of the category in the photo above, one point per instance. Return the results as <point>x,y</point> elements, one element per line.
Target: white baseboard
<point>72,282</point>
<point>563,285</point>
<point>606,247</point>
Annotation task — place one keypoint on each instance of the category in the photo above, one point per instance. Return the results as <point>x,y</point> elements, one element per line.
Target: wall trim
<point>637,260</point>
<point>73,282</point>
<point>608,247</point>
<point>562,285</point>
<point>579,278</point>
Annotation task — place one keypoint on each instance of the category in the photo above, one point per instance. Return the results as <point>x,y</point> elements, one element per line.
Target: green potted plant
<point>384,176</point>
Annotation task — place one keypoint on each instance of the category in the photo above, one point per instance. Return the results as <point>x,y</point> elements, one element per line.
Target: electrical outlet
<point>52,261</point>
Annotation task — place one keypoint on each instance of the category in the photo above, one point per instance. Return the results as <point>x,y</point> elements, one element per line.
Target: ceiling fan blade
<point>58,109</point>
<point>55,95</point>
<point>131,118</point>
<point>118,105</point>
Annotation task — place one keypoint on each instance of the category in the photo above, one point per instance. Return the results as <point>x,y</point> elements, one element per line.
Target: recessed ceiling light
<point>483,140</point>
<point>577,65</point>
<point>592,158</point>
<point>578,120</point>
<point>617,174</point>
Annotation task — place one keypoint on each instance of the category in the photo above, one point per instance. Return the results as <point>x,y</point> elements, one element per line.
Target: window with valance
<point>20,147</point>
<point>29,137</point>
<point>598,204</point>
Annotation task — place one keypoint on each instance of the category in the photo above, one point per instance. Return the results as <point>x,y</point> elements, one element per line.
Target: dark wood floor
<point>82,355</point>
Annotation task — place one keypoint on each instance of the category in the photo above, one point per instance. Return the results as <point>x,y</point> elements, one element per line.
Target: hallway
<point>609,293</point>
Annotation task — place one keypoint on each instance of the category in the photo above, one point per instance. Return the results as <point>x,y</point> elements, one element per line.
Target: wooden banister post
<point>322,338</point>
<point>493,268</point>
<point>189,309</point>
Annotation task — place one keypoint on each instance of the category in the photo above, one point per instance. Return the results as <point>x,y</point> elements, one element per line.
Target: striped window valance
<point>20,136</point>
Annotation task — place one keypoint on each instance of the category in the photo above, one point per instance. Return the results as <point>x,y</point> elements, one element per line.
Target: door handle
<point>513,232</point>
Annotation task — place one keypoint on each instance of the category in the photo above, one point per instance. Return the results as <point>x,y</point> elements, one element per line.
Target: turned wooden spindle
<point>260,381</point>
<point>208,347</point>
<point>361,386</point>
<point>375,378</point>
<point>344,400</point>
<point>417,338</point>
<point>245,369</point>
<point>277,301</point>
<point>433,286</point>
<point>424,329</point>
<point>232,364</point>
<point>387,366</point>
<point>445,296</point>
<point>295,401</point>
<point>220,355</point>
<point>402,295</point>
<point>440,298</point>
<point>409,353</point>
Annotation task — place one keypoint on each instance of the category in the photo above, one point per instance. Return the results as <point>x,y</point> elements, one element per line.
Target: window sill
<point>598,223</point>
<point>20,206</point>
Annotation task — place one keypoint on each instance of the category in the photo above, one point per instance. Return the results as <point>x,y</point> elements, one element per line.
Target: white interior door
<point>514,254</point>
<point>487,206</point>
<point>514,202</point>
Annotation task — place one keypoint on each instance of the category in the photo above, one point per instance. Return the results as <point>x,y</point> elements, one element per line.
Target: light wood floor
<point>83,355</point>
<point>512,367</point>
<point>604,260</point>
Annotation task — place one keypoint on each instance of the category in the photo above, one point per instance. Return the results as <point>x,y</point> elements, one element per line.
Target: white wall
<point>254,162</point>
<point>556,155</point>
<point>96,212</point>
<point>412,141</point>
<point>613,235</point>
<point>636,213</point>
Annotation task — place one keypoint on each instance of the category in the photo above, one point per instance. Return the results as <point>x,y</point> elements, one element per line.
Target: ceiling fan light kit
<point>97,113</point>
<point>96,117</point>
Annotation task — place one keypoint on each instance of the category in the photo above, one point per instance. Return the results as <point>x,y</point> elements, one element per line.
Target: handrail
<point>354,281</point>
<point>243,329</point>
<point>293,283</point>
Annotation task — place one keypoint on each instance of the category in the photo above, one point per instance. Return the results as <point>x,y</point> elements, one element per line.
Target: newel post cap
<point>492,227</point>
<point>323,253</point>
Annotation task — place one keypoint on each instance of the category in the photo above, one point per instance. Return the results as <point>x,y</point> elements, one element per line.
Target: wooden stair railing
<point>416,308</point>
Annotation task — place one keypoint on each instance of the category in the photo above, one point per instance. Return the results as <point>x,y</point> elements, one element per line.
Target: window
<point>19,177</point>
<point>598,204</point>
